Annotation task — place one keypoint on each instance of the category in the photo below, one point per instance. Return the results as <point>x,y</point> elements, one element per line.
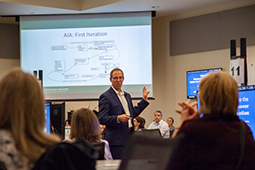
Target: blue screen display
<point>246,108</point>
<point>47,118</point>
<point>194,78</point>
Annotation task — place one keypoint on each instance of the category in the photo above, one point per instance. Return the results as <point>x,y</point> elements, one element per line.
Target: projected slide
<point>246,109</point>
<point>85,56</point>
<point>74,54</point>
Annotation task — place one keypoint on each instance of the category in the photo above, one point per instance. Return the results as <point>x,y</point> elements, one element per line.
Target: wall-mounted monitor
<point>193,79</point>
<point>246,108</point>
<point>76,53</point>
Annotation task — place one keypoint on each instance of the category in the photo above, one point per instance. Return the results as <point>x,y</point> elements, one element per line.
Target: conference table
<point>108,164</point>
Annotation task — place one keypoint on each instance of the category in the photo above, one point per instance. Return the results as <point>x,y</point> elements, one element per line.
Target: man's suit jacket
<point>109,109</point>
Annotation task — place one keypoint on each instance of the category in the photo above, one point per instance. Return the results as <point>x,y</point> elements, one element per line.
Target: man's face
<point>169,122</point>
<point>157,117</point>
<point>117,80</point>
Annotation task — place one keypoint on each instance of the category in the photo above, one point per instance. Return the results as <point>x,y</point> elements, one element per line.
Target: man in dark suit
<point>116,111</point>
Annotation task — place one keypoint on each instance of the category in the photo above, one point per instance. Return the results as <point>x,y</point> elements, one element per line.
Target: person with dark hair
<point>138,122</point>
<point>85,125</point>
<point>170,122</point>
<point>22,120</point>
<point>67,123</point>
<point>158,123</point>
<point>142,123</point>
<point>219,139</point>
<point>116,111</point>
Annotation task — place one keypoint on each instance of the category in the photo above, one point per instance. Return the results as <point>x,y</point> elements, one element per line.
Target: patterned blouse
<point>10,158</point>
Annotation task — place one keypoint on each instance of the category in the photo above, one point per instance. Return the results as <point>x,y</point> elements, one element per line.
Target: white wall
<point>7,64</point>
<point>170,71</point>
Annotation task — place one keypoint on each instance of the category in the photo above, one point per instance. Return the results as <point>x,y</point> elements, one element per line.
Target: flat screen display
<point>246,108</point>
<point>193,79</point>
<point>76,53</point>
<point>47,118</point>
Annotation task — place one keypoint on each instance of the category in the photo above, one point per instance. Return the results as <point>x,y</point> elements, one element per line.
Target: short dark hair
<point>116,69</point>
<point>158,112</point>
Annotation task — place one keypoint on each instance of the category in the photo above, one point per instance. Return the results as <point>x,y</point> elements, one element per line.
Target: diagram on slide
<point>85,56</point>
<point>95,59</point>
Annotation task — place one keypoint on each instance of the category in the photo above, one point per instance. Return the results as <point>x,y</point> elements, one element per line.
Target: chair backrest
<point>100,147</point>
<point>79,155</point>
<point>171,133</point>
<point>152,132</point>
<point>150,153</point>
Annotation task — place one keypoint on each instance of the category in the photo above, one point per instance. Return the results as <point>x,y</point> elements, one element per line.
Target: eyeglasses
<point>117,78</point>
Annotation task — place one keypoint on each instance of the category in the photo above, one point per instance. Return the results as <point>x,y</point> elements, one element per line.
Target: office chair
<point>150,153</point>
<point>152,133</point>
<point>100,147</point>
<point>78,155</point>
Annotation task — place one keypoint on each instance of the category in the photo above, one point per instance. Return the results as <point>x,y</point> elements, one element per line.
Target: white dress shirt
<point>124,104</point>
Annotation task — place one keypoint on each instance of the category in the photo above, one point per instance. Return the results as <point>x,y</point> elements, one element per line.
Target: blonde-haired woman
<point>85,125</point>
<point>213,141</point>
<point>22,119</point>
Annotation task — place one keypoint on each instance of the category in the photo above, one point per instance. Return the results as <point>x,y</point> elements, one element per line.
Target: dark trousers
<point>117,151</point>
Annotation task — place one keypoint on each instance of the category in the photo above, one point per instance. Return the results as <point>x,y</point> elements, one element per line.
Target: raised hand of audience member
<point>187,112</point>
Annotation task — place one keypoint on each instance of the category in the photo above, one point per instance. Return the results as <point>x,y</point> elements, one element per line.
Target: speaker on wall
<point>243,47</point>
<point>232,48</point>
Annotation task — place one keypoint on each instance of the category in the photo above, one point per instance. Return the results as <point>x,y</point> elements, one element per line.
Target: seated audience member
<point>142,124</point>
<point>137,123</point>
<point>212,142</point>
<point>170,122</point>
<point>85,125</point>
<point>22,120</point>
<point>67,123</point>
<point>158,123</point>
